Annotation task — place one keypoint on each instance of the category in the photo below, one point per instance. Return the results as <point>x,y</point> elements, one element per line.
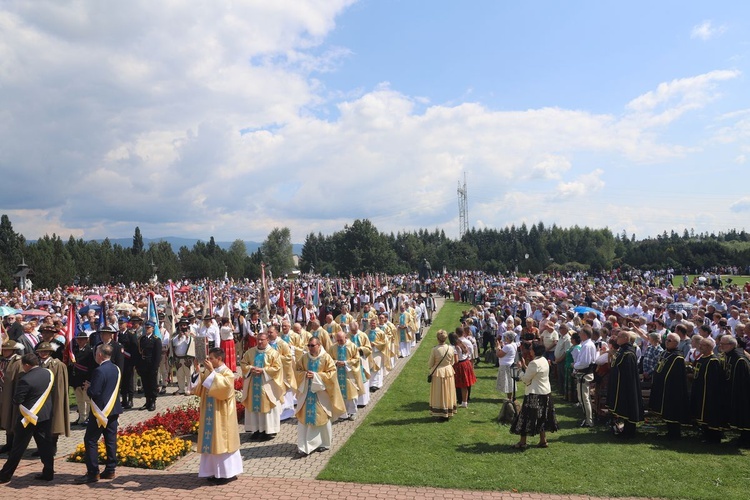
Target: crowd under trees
<point>361,248</point>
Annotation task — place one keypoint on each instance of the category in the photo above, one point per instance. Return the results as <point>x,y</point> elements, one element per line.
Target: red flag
<point>265,286</point>
<point>281,304</point>
<point>377,282</point>
<point>170,288</point>
<point>70,332</point>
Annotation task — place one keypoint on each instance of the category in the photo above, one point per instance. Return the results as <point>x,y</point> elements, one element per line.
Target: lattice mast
<point>463,209</point>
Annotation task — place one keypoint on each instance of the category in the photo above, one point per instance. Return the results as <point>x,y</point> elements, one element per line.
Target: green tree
<point>277,251</point>
<point>11,246</point>
<point>235,259</point>
<point>161,254</point>
<point>137,247</point>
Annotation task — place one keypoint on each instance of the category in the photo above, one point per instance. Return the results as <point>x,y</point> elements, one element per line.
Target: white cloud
<point>134,115</point>
<point>583,186</point>
<point>672,99</point>
<point>706,30</point>
<point>741,205</point>
<point>552,166</point>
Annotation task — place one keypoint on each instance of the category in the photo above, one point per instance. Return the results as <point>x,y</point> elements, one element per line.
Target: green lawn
<point>399,443</point>
<point>736,280</point>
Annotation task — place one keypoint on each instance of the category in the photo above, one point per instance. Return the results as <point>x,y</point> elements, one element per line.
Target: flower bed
<point>153,443</point>
<point>179,421</point>
<point>153,449</point>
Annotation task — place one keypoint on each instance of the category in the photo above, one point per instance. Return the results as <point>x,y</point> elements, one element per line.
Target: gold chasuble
<point>218,431</point>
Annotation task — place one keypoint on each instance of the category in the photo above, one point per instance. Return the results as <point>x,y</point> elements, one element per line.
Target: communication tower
<point>463,209</point>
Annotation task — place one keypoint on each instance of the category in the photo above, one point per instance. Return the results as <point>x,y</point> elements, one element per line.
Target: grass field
<point>399,443</point>
<point>740,281</point>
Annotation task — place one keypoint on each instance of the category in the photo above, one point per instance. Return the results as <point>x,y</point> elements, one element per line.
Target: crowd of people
<point>314,348</point>
<point>317,358</point>
<point>617,349</point>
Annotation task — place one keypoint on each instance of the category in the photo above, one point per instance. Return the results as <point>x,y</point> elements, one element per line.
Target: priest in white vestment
<point>319,399</point>
<point>263,390</point>
<point>218,431</point>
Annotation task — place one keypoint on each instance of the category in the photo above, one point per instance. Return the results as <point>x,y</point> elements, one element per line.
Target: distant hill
<point>176,243</point>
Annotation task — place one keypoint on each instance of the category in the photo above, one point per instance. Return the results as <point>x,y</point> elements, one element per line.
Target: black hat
<point>109,329</point>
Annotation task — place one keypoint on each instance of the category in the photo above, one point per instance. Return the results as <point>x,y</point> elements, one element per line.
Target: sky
<point>229,118</point>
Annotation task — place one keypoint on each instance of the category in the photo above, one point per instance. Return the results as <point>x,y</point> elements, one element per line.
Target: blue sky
<point>230,118</point>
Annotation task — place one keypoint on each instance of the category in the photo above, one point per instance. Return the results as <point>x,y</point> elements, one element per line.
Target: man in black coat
<point>128,339</point>
<point>80,372</point>
<point>148,366</point>
<point>33,397</point>
<point>624,390</point>
<point>707,393</point>
<point>669,394</point>
<point>107,335</point>
<point>104,391</point>
<point>15,328</point>
<point>736,400</point>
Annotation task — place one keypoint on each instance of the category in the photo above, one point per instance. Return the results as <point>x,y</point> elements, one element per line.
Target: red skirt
<point>230,356</point>
<point>250,342</point>
<point>464,374</point>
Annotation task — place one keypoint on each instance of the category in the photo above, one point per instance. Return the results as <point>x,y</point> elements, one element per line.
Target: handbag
<point>510,409</point>
<point>429,377</point>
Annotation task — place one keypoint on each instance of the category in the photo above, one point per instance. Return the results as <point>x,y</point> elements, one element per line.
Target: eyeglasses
<point>311,345</point>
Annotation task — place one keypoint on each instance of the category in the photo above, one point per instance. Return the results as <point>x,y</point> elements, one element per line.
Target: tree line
<point>361,248</point>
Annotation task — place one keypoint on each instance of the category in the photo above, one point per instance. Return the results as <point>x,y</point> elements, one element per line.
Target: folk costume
<point>442,385</point>
<point>60,403</point>
<point>218,431</point>
<point>11,371</point>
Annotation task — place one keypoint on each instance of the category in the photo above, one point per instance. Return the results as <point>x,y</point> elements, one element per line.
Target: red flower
<point>176,421</point>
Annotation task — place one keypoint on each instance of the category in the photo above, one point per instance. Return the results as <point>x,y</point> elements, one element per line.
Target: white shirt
<point>510,355</point>
<point>211,333</point>
<point>587,356</point>
<point>180,345</point>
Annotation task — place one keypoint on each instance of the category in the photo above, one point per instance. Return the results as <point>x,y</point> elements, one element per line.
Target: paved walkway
<point>283,475</point>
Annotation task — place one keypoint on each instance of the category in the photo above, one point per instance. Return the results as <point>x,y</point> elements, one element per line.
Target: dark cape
<point>669,393</point>
<point>737,373</point>
<point>706,399</point>
<point>624,390</point>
